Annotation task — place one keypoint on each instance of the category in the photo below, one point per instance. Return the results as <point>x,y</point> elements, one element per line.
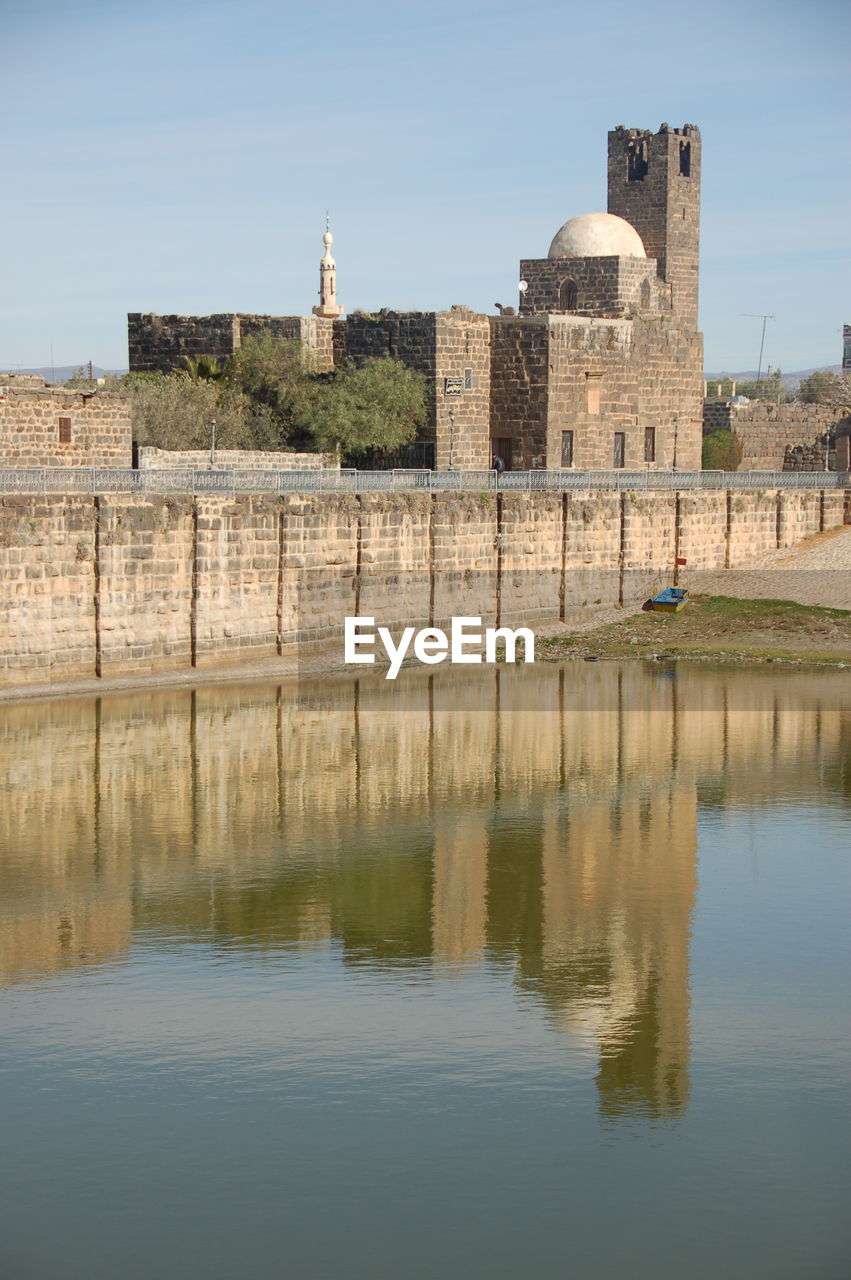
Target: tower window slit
<point>636,162</point>
<point>685,159</point>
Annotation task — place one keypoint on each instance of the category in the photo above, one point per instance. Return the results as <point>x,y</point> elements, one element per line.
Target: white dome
<point>597,235</point>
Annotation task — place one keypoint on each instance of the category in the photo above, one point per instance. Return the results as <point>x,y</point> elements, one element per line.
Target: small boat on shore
<point>671,600</point>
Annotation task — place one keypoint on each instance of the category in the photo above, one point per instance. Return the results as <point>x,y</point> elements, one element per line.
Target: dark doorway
<point>503,447</point>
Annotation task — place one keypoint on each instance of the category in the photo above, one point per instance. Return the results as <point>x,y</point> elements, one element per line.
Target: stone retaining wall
<point>114,584</point>
<point>151,459</point>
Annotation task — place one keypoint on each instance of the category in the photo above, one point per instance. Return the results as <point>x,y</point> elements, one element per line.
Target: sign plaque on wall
<point>453,386</point>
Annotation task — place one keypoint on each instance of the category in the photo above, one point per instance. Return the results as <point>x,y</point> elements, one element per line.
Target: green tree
<point>722,451</point>
<point>377,405</point>
<point>771,389</point>
<point>271,372</point>
<point>171,411</point>
<point>824,387</point>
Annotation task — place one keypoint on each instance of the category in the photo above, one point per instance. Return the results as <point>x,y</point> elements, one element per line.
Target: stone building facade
<point>42,426</point>
<point>602,368</point>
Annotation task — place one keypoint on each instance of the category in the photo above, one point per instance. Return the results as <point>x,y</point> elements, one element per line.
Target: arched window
<point>645,295</point>
<point>567,295</point>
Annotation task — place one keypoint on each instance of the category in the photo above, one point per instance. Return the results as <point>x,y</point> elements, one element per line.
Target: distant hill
<point>790,380</point>
<point>61,373</point>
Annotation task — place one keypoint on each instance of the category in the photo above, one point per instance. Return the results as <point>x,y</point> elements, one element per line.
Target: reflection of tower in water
<point>543,819</point>
<point>591,889</point>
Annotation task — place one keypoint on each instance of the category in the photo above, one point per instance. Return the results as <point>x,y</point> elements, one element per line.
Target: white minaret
<point>328,307</point>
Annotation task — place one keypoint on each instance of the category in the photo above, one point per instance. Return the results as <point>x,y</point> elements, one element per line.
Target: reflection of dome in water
<point>597,235</point>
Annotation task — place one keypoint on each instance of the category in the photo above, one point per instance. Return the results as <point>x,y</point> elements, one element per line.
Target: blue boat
<point>671,600</point>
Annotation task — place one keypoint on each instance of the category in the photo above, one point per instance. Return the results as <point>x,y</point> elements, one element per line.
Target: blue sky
<point>180,156</point>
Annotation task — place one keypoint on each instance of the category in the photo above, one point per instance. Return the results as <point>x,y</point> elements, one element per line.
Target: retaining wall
<point>115,584</point>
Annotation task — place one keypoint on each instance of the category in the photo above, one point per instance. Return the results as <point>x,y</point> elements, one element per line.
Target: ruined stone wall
<point>777,437</point>
<point>151,459</point>
<point>654,183</point>
<point>117,584</point>
<point>613,287</point>
<point>163,343</point>
<point>43,426</point>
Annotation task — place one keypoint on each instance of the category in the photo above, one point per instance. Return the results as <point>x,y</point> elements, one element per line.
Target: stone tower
<point>654,183</point>
<point>328,308</point>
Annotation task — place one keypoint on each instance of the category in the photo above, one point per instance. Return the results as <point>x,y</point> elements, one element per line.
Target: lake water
<point>542,972</point>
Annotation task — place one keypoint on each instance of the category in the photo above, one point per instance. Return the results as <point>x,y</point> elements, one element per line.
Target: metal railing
<point>72,480</point>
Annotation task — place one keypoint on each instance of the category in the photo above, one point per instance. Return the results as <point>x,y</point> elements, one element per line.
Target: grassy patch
<point>718,626</point>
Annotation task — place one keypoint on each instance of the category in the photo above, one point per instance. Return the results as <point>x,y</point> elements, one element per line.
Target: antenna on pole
<point>764,319</point>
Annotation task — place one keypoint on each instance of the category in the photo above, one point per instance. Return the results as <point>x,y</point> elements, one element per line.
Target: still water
<point>538,973</point>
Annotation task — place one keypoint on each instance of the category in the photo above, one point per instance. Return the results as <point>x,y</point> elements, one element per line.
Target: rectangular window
<point>685,159</point>
<point>567,448</point>
<point>620,448</point>
<point>649,444</point>
<point>64,430</point>
<point>592,392</point>
<point>468,379</point>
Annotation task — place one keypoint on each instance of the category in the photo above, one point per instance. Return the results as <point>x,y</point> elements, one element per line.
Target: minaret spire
<point>328,307</point>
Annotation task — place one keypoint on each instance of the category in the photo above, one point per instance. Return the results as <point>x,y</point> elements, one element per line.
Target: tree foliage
<point>171,411</point>
<point>269,396</point>
<point>722,451</point>
<point>824,387</point>
<point>376,405</point>
<point>271,372</point>
<point>203,369</point>
<point>771,389</point>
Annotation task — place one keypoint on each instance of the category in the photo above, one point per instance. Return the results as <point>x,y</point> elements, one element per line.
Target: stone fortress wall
<point>116,584</point>
<point>162,343</point>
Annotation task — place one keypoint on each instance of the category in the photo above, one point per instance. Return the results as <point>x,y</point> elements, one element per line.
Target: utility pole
<point>764,319</point>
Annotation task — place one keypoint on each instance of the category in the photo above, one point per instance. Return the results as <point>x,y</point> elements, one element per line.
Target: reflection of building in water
<point>545,818</point>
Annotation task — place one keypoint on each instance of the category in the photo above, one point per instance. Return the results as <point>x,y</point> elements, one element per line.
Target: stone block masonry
<point>452,349</point>
<point>151,459</point>
<point>43,426</point>
<point>784,437</point>
<point>117,584</point>
<point>163,343</point>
